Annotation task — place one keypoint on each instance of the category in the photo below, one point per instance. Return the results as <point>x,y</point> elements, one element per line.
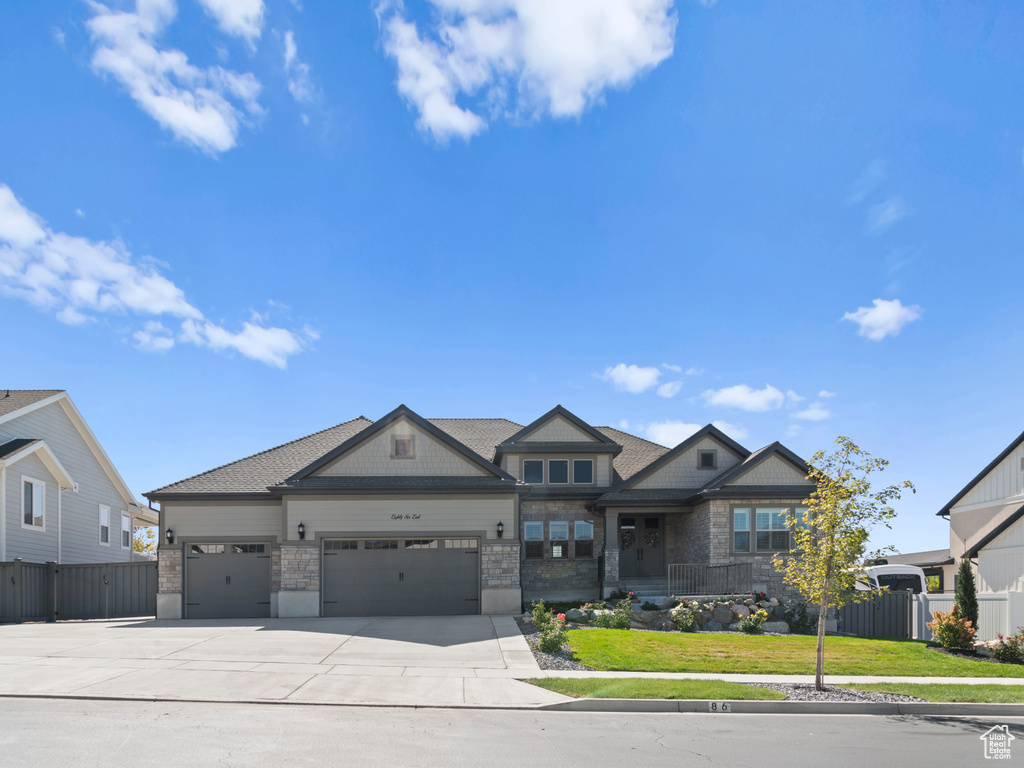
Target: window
<point>104,525</point>
<point>403,446</point>
<point>764,529</point>
<point>533,535</point>
<point>707,460</point>
<point>207,549</point>
<point>126,531</point>
<point>533,472</point>
<point>583,471</point>
<point>421,543</point>
<point>380,544</point>
<point>460,544</point>
<point>33,504</point>
<point>248,549</point>
<point>741,530</point>
<point>339,544</point>
<point>584,536</point>
<point>558,471</point>
<point>558,531</point>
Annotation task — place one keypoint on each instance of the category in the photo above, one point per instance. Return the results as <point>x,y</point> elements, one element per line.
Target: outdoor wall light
<point>501,529</point>
<point>302,530</point>
<point>170,536</point>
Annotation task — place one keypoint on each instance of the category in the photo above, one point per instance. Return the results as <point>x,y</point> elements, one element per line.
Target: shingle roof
<point>481,435</point>
<point>648,496</point>
<point>636,454</point>
<point>319,482</point>
<point>15,399</point>
<point>13,446</point>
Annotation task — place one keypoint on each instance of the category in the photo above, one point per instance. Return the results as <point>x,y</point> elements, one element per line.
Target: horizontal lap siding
<point>194,520</point>
<point>437,514</point>
<point>80,511</point>
<point>31,545</point>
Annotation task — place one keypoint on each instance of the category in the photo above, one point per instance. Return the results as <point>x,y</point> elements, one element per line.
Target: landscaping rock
<point>637,625</point>
<point>576,615</point>
<point>734,627</point>
<point>668,603</point>
<point>600,612</point>
<point>703,617</point>
<point>669,626</point>
<point>636,608</point>
<point>779,611</point>
<point>740,611</point>
<point>774,601</point>
<point>764,604</point>
<point>748,602</point>
<point>776,627</point>
<point>722,613</point>
<point>712,626</point>
<point>649,617</point>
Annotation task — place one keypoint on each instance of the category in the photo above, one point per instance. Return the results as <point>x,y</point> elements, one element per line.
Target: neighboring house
<point>986,521</point>
<point>61,499</point>
<point>408,515</point>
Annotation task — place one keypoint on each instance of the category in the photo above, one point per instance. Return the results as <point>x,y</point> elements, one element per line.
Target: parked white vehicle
<point>897,578</point>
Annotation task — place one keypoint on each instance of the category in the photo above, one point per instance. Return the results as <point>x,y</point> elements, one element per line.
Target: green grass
<point>622,650</point>
<point>986,694</point>
<point>641,688</point>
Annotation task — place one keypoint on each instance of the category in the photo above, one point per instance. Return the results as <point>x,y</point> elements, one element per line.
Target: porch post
<point>611,548</point>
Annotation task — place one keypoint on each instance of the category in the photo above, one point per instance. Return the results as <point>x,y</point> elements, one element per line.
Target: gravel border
<point>562,660</point>
<point>807,692</point>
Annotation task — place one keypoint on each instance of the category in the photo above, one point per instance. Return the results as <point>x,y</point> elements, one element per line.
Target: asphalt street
<point>58,732</point>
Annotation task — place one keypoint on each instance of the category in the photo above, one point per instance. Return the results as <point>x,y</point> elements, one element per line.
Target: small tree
<point>144,540</point>
<point>966,592</point>
<point>830,536</point>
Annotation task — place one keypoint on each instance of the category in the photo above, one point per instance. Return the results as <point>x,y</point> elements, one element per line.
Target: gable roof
<point>400,412</point>
<point>15,450</point>
<point>751,461</point>
<point>479,435</point>
<point>636,454</point>
<point>558,410</point>
<point>12,400</point>
<point>988,538</point>
<point>709,431</point>
<point>981,475</point>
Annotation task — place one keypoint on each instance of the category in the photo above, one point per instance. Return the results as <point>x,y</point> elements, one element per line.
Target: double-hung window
<point>558,531</point>
<point>762,529</point>
<point>104,525</point>
<point>126,531</point>
<point>583,533</point>
<point>533,536</point>
<point>33,504</point>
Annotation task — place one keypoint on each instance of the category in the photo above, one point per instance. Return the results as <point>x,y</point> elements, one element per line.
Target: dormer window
<point>403,446</point>
<point>533,472</point>
<point>707,460</point>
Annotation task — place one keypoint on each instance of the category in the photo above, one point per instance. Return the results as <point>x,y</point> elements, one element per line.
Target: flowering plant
<point>1010,649</point>
<point>752,624</point>
<point>759,596</point>
<point>554,635</point>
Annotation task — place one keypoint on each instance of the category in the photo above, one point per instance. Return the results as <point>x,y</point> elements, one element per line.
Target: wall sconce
<point>302,530</point>
<point>501,529</point>
<point>169,534</point>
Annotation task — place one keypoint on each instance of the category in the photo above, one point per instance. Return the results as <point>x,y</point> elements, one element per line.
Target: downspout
<point>3,511</point>
<point>60,496</point>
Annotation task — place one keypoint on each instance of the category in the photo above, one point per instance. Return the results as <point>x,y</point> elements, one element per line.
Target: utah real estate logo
<point>997,742</point>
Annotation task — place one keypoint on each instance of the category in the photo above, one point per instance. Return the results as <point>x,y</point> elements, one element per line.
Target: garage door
<point>401,577</point>
<point>227,581</point>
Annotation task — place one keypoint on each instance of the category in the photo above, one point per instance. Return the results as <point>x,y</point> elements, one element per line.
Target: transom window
<point>403,446</point>
<point>33,504</point>
<point>762,529</point>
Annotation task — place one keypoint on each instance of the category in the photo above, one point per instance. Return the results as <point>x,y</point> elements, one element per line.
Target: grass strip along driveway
<point>643,688</point>
<point>626,651</point>
<point>984,694</point>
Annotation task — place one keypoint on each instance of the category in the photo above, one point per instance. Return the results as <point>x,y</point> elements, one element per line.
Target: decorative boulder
<point>649,617</point>
<point>740,611</point>
<point>712,626</point>
<point>600,612</point>
<point>576,615</point>
<point>636,608</point>
<point>775,627</point>
<point>734,627</point>
<point>722,614</point>
<point>780,612</point>
<point>774,601</point>
<point>668,603</point>
<point>764,604</point>
<point>669,626</point>
<point>703,617</point>
<point>748,602</point>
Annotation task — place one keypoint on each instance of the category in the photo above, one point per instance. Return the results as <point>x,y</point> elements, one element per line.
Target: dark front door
<point>227,581</point>
<point>641,546</point>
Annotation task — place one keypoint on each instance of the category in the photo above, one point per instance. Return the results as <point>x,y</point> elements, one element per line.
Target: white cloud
<point>520,58</point>
<point>631,378</point>
<point>865,184</point>
<point>884,318</point>
<point>58,35</point>
<point>814,412</point>
<point>792,398</point>
<point>732,430</point>
<point>673,368</point>
<point>826,394</point>
<point>624,424</point>
<point>793,430</point>
<point>670,388</point>
<point>884,215</point>
<point>203,107</point>
<point>694,371</point>
<point>299,83</point>
<point>670,433</point>
<point>239,18</point>
<point>79,214</point>
<point>745,398</point>
<point>80,280</point>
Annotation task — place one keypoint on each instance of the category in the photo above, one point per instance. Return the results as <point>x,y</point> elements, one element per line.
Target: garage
<point>401,577</point>
<point>227,581</point>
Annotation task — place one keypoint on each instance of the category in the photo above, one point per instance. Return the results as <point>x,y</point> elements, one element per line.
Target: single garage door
<point>227,581</point>
<point>401,577</point>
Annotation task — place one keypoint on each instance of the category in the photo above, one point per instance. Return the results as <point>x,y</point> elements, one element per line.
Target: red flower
<point>561,617</point>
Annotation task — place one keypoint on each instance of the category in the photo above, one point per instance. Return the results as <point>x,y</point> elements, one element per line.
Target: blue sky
<point>225,224</point>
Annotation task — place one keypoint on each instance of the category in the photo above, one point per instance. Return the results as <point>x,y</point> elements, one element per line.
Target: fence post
<point>51,591</point>
<point>16,581</point>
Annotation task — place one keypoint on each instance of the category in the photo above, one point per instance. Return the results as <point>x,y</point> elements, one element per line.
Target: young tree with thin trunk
<point>830,536</point>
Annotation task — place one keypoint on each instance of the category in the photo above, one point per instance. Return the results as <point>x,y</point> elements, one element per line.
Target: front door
<point>641,546</point>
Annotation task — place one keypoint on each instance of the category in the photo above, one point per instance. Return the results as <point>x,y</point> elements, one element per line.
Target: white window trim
<point>21,512</point>
<point>125,515</point>
<point>593,471</point>
<point>543,468</point>
<point>99,529</point>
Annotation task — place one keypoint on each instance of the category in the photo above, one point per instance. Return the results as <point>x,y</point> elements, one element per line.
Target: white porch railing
<point>704,579</point>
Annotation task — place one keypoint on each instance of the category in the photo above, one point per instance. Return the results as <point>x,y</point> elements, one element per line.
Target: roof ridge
<point>260,453</point>
<point>635,437</point>
<point>471,418</point>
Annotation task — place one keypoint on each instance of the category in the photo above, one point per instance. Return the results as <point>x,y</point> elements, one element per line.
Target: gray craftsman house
<point>61,499</point>
<point>407,516</point>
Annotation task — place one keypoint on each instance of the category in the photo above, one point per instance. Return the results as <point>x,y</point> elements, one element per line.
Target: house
<point>986,521</point>
<point>407,515</point>
<point>61,498</point>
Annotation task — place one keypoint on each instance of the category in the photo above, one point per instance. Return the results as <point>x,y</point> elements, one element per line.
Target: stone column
<point>300,581</point>
<point>169,583</point>
<point>611,549</point>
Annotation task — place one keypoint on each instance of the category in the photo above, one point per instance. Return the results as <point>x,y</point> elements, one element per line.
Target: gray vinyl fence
<point>52,592</point>
<point>886,614</point>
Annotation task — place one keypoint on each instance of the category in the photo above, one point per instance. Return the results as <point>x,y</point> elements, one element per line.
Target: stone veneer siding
<point>275,570</point>
<point>547,575</point>
<point>169,571</point>
<point>499,566</point>
<point>300,568</point>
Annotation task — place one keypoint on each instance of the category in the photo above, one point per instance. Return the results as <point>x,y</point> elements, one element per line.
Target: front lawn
<point>985,694</point>
<point>642,688</point>
<point>623,650</point>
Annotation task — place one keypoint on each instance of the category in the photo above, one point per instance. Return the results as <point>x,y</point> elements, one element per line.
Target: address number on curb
<point>719,706</point>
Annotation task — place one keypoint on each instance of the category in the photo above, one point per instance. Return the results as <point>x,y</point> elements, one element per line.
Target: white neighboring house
<point>61,499</point>
<point>986,521</point>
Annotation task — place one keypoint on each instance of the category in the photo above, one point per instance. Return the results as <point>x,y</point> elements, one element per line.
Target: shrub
<point>966,593</point>
<point>1010,649</point>
<point>542,616</point>
<point>800,623</point>
<point>588,607</point>
<point>620,593</point>
<point>752,624</point>
<point>649,606</point>
<point>554,635</point>
<point>685,615</point>
<point>759,596</point>
<point>619,618</point>
<point>951,630</point>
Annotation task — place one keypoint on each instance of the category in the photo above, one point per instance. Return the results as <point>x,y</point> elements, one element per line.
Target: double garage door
<point>227,581</point>
<point>401,577</point>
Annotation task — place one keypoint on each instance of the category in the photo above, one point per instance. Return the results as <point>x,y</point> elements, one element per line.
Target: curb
<point>786,707</point>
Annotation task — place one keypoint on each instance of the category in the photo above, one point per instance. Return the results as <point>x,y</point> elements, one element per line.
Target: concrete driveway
<point>422,661</point>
